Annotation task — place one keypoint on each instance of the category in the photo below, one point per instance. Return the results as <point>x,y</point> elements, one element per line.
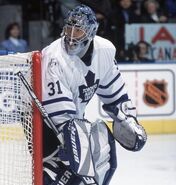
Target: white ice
<point>155,164</point>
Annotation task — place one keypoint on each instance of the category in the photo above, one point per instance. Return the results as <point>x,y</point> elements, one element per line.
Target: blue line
<point>112,95</point>
<point>61,112</point>
<point>106,86</point>
<point>56,100</point>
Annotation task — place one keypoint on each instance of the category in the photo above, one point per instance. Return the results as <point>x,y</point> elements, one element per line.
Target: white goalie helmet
<point>79,30</point>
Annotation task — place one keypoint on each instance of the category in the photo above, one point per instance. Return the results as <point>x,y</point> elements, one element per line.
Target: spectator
<point>123,13</point>
<point>142,52</point>
<point>153,15</point>
<point>13,41</point>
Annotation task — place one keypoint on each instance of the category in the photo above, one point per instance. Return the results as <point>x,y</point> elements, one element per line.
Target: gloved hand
<point>126,129</point>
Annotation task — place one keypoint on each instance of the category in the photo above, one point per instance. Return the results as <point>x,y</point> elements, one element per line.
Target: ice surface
<point>155,164</point>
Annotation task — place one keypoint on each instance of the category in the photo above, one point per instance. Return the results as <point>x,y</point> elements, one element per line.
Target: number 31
<point>54,88</point>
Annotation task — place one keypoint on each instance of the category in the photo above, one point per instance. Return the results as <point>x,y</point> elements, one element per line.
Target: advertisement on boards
<point>160,37</point>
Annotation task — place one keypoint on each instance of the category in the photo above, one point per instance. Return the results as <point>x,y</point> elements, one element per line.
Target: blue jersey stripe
<point>111,95</point>
<point>109,84</point>
<point>123,98</point>
<point>133,108</point>
<point>47,102</point>
<point>61,112</point>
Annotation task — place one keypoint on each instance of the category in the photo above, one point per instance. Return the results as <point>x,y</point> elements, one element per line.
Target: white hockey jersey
<point>68,83</point>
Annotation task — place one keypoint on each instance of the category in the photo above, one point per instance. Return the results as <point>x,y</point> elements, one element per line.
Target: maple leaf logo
<point>86,92</point>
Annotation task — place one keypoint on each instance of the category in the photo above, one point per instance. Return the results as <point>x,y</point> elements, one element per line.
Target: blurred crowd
<point>111,14</point>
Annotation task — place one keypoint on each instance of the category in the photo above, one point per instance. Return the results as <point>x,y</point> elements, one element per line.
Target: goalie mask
<point>79,30</point>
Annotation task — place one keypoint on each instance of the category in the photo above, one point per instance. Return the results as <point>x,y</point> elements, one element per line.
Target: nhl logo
<point>155,93</point>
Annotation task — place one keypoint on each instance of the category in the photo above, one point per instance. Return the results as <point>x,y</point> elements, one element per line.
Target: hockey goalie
<point>74,68</point>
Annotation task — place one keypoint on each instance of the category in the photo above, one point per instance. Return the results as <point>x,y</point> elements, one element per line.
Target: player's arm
<point>57,97</point>
<point>117,104</point>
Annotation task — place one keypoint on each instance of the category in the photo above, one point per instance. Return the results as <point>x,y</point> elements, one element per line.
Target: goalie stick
<point>42,110</point>
<point>87,180</point>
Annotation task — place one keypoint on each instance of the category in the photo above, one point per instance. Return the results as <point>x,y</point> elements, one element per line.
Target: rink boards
<point>152,89</point>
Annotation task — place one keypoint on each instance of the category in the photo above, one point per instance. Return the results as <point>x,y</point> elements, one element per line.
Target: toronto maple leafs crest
<point>86,92</point>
